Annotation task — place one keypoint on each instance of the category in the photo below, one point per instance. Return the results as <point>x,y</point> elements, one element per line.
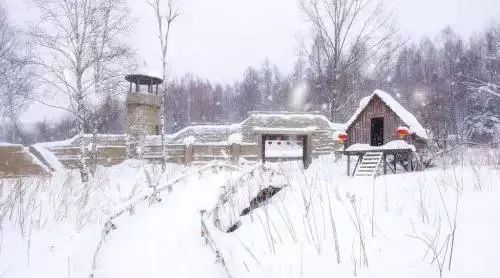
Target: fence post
<point>235,153</point>
<point>188,154</point>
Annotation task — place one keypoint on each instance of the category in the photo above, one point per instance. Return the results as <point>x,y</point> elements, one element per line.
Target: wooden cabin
<point>374,129</point>
<point>377,119</point>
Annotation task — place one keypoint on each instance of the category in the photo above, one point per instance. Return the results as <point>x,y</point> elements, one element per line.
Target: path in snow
<point>164,239</point>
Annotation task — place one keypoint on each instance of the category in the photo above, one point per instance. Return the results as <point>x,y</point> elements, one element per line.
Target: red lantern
<point>403,132</point>
<point>343,137</point>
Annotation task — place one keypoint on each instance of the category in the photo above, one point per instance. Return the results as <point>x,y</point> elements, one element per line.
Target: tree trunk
<point>94,154</point>
<point>162,127</point>
<point>84,172</point>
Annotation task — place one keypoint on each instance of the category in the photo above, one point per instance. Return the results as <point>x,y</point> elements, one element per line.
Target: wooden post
<point>262,148</point>
<point>394,162</point>
<point>348,164</point>
<point>304,151</point>
<point>385,164</point>
<point>188,154</point>
<point>360,158</point>
<point>411,162</point>
<point>235,153</point>
<point>307,147</point>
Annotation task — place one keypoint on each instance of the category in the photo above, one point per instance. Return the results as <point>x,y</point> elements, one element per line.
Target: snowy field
<point>320,223</point>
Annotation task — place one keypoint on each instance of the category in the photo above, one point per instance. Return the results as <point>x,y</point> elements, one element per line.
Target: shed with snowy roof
<point>377,119</point>
<point>322,138</point>
<point>382,129</point>
<point>290,135</point>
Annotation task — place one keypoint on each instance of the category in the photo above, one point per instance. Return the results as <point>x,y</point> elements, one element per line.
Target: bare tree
<point>490,83</point>
<point>111,21</point>
<point>15,77</point>
<point>164,20</point>
<point>79,52</point>
<point>348,33</point>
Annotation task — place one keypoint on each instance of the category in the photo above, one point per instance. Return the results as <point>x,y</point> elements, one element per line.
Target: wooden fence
<point>174,153</point>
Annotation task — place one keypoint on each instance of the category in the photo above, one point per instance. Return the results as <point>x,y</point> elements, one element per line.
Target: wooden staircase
<point>369,165</point>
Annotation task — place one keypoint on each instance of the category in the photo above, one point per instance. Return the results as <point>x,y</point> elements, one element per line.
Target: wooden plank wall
<point>360,130</point>
<point>175,153</point>
<point>16,161</point>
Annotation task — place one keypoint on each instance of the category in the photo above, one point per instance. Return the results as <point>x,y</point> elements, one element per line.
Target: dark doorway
<point>377,132</point>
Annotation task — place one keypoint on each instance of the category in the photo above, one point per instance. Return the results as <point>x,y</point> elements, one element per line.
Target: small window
<point>269,143</point>
<point>157,127</point>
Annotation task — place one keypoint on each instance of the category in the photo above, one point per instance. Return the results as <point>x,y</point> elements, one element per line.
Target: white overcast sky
<point>218,39</point>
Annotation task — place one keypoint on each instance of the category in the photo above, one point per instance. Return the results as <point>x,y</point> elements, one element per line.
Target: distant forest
<point>450,82</point>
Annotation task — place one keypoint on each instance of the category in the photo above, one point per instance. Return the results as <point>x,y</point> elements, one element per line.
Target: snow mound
<point>189,140</point>
<point>2,144</point>
<point>325,224</point>
<point>235,138</point>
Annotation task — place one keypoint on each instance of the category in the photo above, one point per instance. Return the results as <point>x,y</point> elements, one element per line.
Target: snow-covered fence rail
<point>17,161</point>
<point>147,199</point>
<point>206,234</point>
<point>233,185</point>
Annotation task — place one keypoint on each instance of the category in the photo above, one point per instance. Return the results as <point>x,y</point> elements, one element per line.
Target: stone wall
<point>17,161</point>
<point>211,142</point>
<point>201,153</point>
<point>143,117</point>
<point>107,156</point>
<point>112,150</point>
<point>180,154</point>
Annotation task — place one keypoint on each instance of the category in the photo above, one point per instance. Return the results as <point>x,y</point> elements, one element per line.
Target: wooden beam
<point>263,144</point>
<point>348,165</point>
<point>356,166</point>
<point>306,150</point>
<point>385,164</point>
<point>394,162</point>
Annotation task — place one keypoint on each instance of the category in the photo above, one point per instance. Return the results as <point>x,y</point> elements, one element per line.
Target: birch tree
<point>15,78</point>
<point>79,55</point>
<point>491,83</point>
<point>165,19</point>
<point>347,34</point>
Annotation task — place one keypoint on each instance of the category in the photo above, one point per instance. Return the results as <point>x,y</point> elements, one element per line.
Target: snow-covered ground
<point>164,240</point>
<point>320,224</point>
<point>294,235</point>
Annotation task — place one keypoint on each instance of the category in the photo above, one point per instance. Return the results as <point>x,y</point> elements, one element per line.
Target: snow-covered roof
<point>202,129</point>
<point>3,144</point>
<point>291,116</point>
<point>407,117</point>
<point>103,139</point>
<point>199,133</point>
<point>283,130</point>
